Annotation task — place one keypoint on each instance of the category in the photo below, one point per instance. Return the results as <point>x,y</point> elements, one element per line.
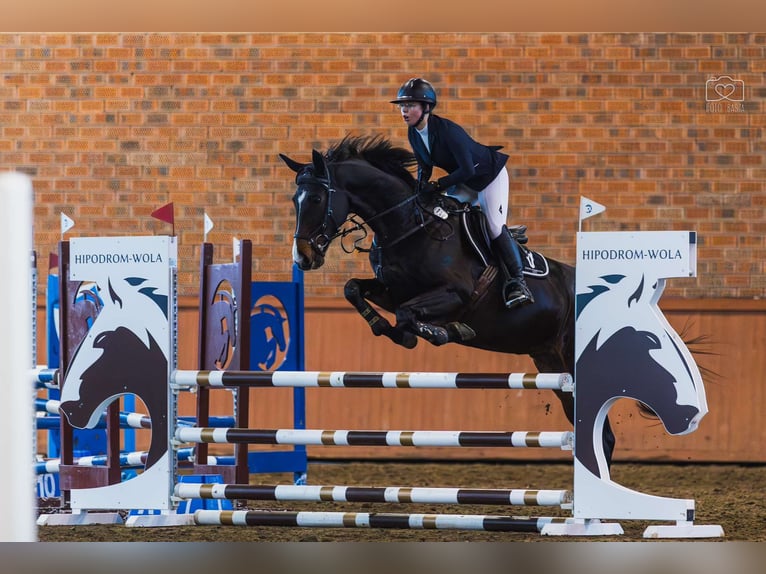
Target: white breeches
<point>493,201</point>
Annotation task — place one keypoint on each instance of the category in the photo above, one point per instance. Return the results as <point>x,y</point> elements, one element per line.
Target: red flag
<point>164,213</point>
<point>53,260</point>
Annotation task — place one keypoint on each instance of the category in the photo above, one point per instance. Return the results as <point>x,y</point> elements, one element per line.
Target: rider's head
<point>416,98</point>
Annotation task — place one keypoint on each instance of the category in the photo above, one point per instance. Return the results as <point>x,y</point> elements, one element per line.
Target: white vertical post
<point>17,479</point>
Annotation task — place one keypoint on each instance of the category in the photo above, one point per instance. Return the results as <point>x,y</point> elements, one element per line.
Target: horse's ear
<point>291,163</point>
<point>320,169</point>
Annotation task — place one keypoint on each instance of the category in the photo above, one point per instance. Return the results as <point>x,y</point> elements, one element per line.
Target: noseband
<point>318,238</point>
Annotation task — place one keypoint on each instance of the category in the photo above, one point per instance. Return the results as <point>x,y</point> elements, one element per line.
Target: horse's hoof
<point>406,339</point>
<point>432,333</point>
<point>460,331</point>
<point>409,341</point>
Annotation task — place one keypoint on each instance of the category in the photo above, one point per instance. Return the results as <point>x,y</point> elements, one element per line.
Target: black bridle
<point>319,239</point>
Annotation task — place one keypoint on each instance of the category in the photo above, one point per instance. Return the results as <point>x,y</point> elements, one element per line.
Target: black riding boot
<point>508,252</point>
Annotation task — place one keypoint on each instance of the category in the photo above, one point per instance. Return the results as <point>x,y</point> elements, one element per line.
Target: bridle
<point>320,238</point>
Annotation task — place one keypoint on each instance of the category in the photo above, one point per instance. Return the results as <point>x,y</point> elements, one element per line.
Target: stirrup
<point>516,299</point>
<point>516,293</point>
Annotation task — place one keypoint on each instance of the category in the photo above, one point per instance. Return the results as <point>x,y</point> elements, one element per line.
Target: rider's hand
<point>430,188</point>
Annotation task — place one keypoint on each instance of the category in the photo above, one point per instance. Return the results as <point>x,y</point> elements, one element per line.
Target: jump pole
<point>17,480</point>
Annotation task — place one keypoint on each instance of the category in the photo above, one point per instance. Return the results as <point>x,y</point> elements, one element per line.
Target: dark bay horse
<point>429,271</point>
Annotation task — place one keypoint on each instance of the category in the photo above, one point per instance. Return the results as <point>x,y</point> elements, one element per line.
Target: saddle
<point>474,224</point>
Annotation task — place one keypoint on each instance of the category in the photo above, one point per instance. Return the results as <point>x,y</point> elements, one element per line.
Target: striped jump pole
<point>416,495</point>
<point>374,520</point>
<point>127,419</point>
<point>520,439</point>
<point>127,460</point>
<point>135,459</point>
<point>221,379</point>
<point>45,377</point>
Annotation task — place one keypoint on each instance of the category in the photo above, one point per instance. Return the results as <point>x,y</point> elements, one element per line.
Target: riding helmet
<point>416,90</point>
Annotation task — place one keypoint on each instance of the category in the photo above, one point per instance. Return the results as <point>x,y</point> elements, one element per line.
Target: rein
<point>319,241</point>
<point>361,226</point>
<point>421,224</point>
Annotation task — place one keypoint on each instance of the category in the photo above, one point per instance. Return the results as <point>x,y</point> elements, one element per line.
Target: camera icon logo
<point>724,88</point>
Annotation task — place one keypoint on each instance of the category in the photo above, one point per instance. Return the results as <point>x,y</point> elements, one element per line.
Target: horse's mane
<point>376,150</point>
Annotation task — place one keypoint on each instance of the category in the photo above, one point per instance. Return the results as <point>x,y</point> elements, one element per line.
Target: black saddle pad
<point>535,264</point>
<point>475,225</point>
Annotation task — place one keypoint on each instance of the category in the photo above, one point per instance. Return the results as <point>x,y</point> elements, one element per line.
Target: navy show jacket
<point>465,160</point>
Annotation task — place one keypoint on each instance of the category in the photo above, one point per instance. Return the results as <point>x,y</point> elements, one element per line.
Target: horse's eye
<point>313,198</point>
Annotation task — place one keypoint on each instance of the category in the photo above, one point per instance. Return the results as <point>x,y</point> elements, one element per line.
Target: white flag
<point>235,248</point>
<point>66,223</point>
<point>208,225</point>
<point>589,207</point>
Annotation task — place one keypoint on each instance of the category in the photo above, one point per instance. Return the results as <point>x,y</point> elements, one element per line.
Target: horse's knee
<point>351,290</point>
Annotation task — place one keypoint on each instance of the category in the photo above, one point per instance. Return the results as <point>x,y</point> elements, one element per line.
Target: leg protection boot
<point>508,252</point>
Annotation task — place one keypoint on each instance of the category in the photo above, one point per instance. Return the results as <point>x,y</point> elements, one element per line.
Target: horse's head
<point>365,175</point>
<point>320,210</point>
<point>626,348</point>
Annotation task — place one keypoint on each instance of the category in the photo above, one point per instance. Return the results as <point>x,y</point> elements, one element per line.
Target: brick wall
<point>111,126</point>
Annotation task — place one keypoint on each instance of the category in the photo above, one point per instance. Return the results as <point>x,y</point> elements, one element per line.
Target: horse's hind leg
<point>358,291</point>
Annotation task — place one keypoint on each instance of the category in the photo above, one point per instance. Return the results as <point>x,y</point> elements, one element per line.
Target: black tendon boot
<point>515,290</point>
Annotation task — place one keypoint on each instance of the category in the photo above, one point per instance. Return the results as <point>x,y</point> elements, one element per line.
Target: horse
<point>432,272</point>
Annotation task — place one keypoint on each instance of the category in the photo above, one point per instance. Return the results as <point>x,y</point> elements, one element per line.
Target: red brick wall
<point>111,126</point>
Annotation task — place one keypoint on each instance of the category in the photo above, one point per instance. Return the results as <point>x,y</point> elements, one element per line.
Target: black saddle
<point>474,223</point>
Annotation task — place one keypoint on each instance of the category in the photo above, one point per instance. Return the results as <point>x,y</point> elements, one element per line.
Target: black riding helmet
<point>416,90</point>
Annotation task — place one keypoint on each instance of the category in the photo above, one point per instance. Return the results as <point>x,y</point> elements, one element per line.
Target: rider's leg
<point>515,290</point>
<point>494,203</point>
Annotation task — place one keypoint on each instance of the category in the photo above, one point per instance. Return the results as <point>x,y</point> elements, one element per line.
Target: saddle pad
<point>535,264</point>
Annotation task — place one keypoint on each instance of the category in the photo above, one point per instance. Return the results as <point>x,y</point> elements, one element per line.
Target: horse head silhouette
<point>625,348</point>
<point>120,355</point>
<point>224,335</point>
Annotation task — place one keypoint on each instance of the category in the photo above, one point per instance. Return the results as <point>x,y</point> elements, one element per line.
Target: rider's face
<point>412,113</point>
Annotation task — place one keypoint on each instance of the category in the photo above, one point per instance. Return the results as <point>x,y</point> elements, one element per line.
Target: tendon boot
<point>508,252</point>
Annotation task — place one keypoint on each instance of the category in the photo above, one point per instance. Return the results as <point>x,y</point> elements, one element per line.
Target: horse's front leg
<point>359,291</point>
<point>428,313</point>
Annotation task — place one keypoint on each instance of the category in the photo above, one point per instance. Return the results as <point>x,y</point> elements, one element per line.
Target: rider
<point>437,141</point>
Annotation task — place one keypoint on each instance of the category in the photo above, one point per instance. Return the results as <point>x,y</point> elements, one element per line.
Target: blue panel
<point>277,341</point>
